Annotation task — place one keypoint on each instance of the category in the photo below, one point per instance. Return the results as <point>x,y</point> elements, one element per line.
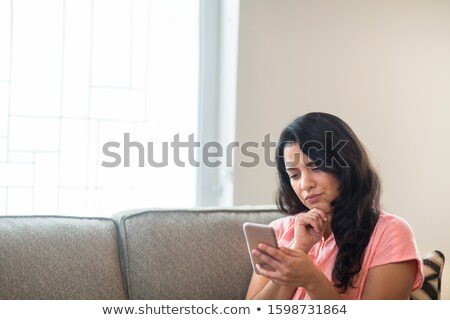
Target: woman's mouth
<point>313,198</point>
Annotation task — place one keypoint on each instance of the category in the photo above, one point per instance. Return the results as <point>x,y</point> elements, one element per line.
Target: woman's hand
<point>309,228</point>
<point>292,267</point>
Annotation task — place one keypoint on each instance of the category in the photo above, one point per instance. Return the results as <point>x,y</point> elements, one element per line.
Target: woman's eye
<point>315,169</point>
<point>294,176</point>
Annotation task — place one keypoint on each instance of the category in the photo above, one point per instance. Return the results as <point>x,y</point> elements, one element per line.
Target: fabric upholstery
<point>189,254</point>
<point>162,254</point>
<point>59,258</point>
<point>433,265</point>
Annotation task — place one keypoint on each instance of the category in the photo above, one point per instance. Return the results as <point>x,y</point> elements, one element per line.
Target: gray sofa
<point>139,254</point>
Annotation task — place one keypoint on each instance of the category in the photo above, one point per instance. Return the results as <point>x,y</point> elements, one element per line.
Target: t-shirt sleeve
<point>277,225</point>
<point>396,243</point>
<point>284,230</point>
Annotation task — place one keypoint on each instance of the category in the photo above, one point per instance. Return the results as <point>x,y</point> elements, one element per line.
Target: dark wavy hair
<point>334,148</point>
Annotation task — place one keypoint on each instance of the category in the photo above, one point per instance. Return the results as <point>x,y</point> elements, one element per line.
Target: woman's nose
<point>307,182</point>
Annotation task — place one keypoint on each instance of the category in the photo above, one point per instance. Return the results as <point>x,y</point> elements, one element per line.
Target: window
<point>79,75</point>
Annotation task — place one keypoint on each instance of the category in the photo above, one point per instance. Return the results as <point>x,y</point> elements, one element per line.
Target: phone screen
<point>255,234</point>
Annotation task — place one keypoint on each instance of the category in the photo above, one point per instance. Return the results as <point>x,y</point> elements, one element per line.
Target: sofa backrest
<point>46,257</point>
<point>188,254</point>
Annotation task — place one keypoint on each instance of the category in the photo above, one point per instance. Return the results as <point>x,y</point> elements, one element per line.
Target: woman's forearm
<point>320,288</point>
<point>273,291</point>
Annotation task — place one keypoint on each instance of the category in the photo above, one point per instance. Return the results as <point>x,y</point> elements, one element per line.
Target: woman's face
<point>314,188</point>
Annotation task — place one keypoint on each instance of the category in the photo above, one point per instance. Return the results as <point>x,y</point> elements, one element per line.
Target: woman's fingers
<point>267,273</point>
<point>284,272</point>
<point>315,212</point>
<point>270,254</point>
<point>320,212</point>
<point>291,252</point>
<point>315,218</point>
<point>311,221</point>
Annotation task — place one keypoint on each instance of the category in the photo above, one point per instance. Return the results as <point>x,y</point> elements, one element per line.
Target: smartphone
<point>255,234</point>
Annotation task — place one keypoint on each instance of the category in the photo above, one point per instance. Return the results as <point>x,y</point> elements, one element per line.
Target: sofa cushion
<point>59,258</point>
<point>433,265</point>
<point>189,254</point>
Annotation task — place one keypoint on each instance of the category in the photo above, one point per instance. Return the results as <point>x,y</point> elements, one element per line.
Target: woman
<point>336,242</point>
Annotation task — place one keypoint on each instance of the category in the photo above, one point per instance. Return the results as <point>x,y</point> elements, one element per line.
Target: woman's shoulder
<point>283,222</point>
<point>387,220</point>
<point>392,226</point>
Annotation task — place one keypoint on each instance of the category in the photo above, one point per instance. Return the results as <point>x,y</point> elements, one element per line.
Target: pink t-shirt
<point>391,241</point>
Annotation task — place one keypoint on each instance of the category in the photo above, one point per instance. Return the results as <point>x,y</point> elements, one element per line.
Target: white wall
<point>381,65</point>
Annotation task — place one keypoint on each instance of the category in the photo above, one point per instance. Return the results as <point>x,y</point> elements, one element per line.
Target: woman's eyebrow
<point>309,165</point>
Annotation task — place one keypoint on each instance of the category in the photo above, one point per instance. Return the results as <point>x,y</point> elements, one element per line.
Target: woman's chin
<point>322,207</point>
